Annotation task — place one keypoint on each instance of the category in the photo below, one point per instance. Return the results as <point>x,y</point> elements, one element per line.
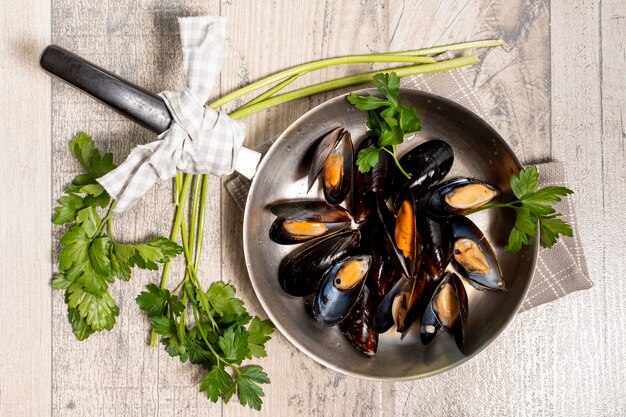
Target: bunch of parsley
<point>220,333</point>
<point>387,120</point>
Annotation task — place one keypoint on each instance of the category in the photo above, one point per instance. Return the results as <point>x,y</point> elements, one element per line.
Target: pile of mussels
<point>396,256</point>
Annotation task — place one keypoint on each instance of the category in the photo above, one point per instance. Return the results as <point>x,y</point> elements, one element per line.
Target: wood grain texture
<point>556,89</point>
<point>317,30</point>
<point>25,323</point>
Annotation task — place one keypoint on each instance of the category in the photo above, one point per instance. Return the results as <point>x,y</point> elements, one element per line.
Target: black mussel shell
<point>472,255</point>
<point>383,273</point>
<point>447,308</point>
<point>384,319</point>
<point>436,252</point>
<point>358,326</point>
<point>423,290</point>
<point>399,305</point>
<point>310,211</point>
<point>378,179</point>
<point>401,234</point>
<point>363,200</point>
<point>458,196</point>
<point>324,148</point>
<point>427,164</point>
<point>340,289</point>
<point>337,172</point>
<point>301,271</point>
<point>289,231</point>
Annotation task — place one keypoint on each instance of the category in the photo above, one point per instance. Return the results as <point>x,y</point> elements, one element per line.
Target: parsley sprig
<point>218,339</point>
<point>387,120</point>
<point>91,258</point>
<point>533,211</point>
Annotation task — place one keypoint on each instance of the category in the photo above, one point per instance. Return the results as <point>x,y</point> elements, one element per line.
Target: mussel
<point>427,164</point>
<point>458,196</point>
<point>340,289</point>
<point>401,235</point>
<point>399,304</point>
<point>448,308</point>
<point>358,326</point>
<point>301,271</point>
<point>383,273</point>
<point>436,250</point>
<point>334,160</point>
<point>378,179</point>
<point>472,255</point>
<point>303,220</point>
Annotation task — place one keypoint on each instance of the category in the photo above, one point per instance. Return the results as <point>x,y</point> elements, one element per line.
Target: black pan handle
<point>130,100</point>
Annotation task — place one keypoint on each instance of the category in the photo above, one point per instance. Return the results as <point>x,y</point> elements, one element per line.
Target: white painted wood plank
<point>25,302</point>
<point>115,373</point>
<point>266,38</point>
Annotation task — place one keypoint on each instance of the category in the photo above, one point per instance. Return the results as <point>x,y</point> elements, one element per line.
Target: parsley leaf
<point>157,301</point>
<point>367,158</point>
<point>234,344</point>
<point>222,299</point>
<point>248,390</point>
<point>215,383</point>
<point>259,333</point>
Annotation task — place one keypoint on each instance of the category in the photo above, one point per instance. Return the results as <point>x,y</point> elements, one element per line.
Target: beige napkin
<point>560,269</point>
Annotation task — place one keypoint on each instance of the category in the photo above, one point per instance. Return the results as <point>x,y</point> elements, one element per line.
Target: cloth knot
<point>200,139</point>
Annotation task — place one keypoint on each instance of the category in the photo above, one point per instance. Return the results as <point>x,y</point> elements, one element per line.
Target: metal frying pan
<point>479,152</point>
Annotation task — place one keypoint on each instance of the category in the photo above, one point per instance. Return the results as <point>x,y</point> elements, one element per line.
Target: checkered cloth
<point>560,269</point>
<point>200,140</point>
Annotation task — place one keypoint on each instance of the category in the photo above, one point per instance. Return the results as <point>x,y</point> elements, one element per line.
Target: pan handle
<point>128,99</point>
<point>131,101</point>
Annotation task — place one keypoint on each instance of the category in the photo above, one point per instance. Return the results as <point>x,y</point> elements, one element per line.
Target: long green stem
<point>312,66</point>
<point>184,193</point>
<point>203,195</point>
<point>270,92</point>
<point>487,43</point>
<point>353,80</point>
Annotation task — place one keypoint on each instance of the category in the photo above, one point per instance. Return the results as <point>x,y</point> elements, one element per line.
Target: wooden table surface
<point>555,90</point>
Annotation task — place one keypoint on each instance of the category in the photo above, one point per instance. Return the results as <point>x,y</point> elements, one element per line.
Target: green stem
<point>184,193</point>
<point>203,195</point>
<point>194,213</point>
<point>395,158</point>
<point>353,80</point>
<point>492,206</point>
<point>218,357</point>
<point>269,93</point>
<point>312,66</point>
<point>487,43</point>
<point>107,218</point>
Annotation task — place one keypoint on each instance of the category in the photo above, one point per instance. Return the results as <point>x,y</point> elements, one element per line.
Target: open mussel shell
<point>340,289</point>
<point>458,196</point>
<point>301,271</point>
<point>289,231</point>
<point>310,211</point>
<point>334,161</point>
<point>447,309</point>
<point>398,304</point>
<point>427,163</point>
<point>401,234</point>
<point>358,326</point>
<point>472,255</point>
<point>378,179</point>
<point>436,252</point>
